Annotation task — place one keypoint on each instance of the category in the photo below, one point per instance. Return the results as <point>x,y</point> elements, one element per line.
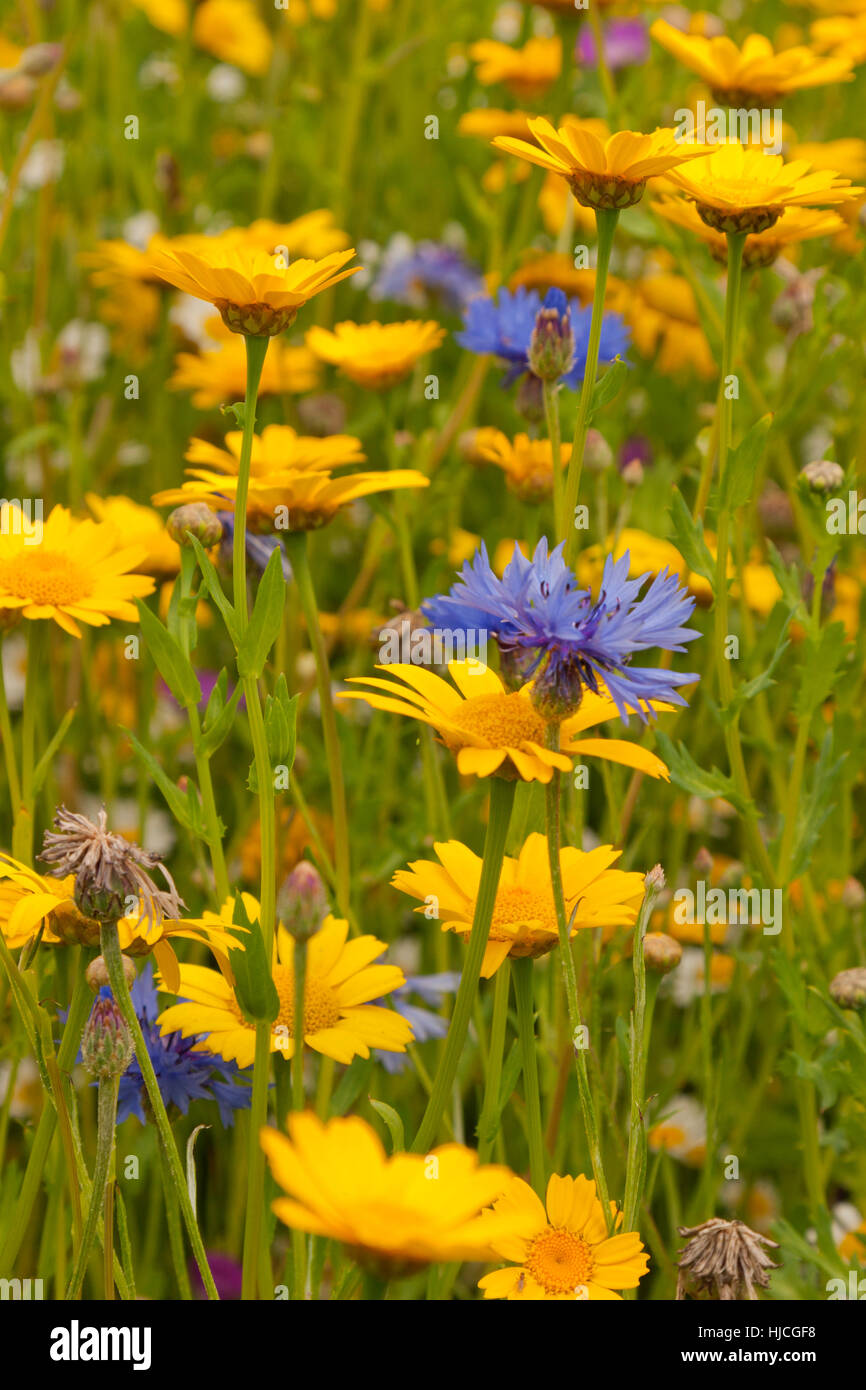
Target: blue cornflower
<point>502,327</point>
<point>432,989</point>
<point>183,1075</point>
<point>552,632</point>
<point>414,275</point>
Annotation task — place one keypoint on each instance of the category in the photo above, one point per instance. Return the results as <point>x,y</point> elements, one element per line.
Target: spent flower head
<point>108,869</point>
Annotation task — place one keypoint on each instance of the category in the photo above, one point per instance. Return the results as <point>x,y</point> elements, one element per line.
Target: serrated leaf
<point>608,386</point>
<point>177,802</point>
<point>169,657</point>
<point>394,1123</point>
<point>215,588</point>
<point>818,672</point>
<point>266,619</point>
<point>749,689</point>
<point>686,774</point>
<point>817,805</point>
<point>689,540</point>
<point>737,483</point>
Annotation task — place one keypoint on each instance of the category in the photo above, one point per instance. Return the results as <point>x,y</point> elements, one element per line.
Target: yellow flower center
<point>560,1261</point>
<point>321,1009</point>
<point>505,721</point>
<point>45,577</point>
<point>517,905</point>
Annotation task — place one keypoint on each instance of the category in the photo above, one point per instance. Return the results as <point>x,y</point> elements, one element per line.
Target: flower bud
<point>106,1044</point>
<point>303,902</point>
<point>39,59</point>
<point>597,453</point>
<point>853,894</point>
<point>551,346</point>
<point>661,952</point>
<point>655,879</point>
<point>530,399</point>
<point>848,988</point>
<point>632,473</point>
<point>97,973</point>
<point>195,517</point>
<point>822,476</point>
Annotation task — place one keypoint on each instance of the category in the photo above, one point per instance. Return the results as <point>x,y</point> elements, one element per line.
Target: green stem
<point>635,1173</point>
<point>488,1123</point>
<point>501,802</point>
<point>120,989</point>
<point>523,968</point>
<point>569,974</point>
<point>22,832</point>
<point>8,746</point>
<point>256,351</point>
<point>606,220</point>
<point>299,966</point>
<point>554,434</point>
<point>106,1116</point>
<point>296,545</point>
<point>175,1234</point>
<point>209,810</point>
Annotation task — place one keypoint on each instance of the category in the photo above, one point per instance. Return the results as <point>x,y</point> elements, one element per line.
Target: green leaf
<point>254,983</point>
<point>816,807</point>
<point>788,580</point>
<point>739,478</point>
<point>266,620</point>
<point>41,770</point>
<point>394,1123</point>
<point>686,774</point>
<point>219,719</point>
<point>215,588</point>
<point>184,810</point>
<point>281,719</point>
<point>608,386</point>
<point>749,689</point>
<point>689,540</point>
<point>818,672</point>
<point>353,1081</point>
<point>171,660</point>
<point>237,412</point>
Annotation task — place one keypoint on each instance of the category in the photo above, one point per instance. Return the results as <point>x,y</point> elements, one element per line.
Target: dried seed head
<point>111,874</point>
<point>724,1260</point>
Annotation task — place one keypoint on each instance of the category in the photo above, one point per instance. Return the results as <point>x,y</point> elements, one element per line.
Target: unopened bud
<point>703,861</point>
<point>632,473</point>
<point>551,346</point>
<point>198,519</point>
<point>848,988</point>
<point>597,453</point>
<point>530,399</point>
<point>40,58</point>
<point>823,476</point>
<point>661,952</point>
<point>303,902</point>
<point>655,879</point>
<point>97,973</point>
<point>106,1044</point>
<point>853,894</point>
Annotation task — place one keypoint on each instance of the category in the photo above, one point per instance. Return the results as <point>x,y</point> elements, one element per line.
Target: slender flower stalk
<point>635,1173</point>
<point>501,802</point>
<point>606,220</point>
<point>528,1046</point>
<point>554,434</point>
<point>488,1124</point>
<point>299,965</point>
<point>106,1111</point>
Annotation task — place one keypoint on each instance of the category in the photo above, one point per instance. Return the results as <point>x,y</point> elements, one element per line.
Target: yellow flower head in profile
<point>217,377</point>
<point>137,525</point>
<point>483,122</point>
<point>171,16</point>
<point>340,981</point>
<point>394,1215</point>
<point>645,552</point>
<point>67,571</point>
<point>563,1253</point>
<point>761,249</point>
<point>608,173</point>
<point>30,902</point>
<point>495,732</point>
<point>844,36</point>
<point>291,487</point>
<point>526,71</point>
<point>743,189</point>
<point>258,293</point>
<point>524,915</point>
<point>232,31</point>
<point>376,355</point>
<point>753,73</point>
<point>527,463</point>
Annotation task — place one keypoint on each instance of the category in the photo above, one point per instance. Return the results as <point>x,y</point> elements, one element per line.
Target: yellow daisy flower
<point>526,71</point>
<point>232,31</point>
<point>494,731</point>
<point>341,979</point>
<point>30,901</point>
<point>755,73</point>
<point>375,355</point>
<point>844,36</point>
<point>608,173</point>
<point>75,572</point>
<point>394,1215</point>
<point>219,377</point>
<point>290,478</point>
<point>555,270</point>
<point>665,324</point>
<point>761,248</point>
<point>527,463</point>
<point>646,552</point>
<point>562,1253</point>
<point>142,526</point>
<point>171,16</point>
<point>524,915</point>
<point>257,293</point>
<point>486,121</point>
<point>313,234</point>
<point>744,189</point>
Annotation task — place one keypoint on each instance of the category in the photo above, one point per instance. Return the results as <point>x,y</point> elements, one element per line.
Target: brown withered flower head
<point>724,1260</point>
<point>109,870</point>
